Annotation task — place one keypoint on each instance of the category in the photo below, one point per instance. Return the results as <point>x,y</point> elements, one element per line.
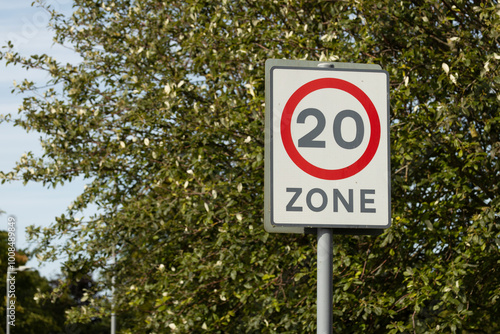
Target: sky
<point>31,204</point>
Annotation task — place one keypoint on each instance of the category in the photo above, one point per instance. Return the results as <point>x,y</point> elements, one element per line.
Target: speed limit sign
<point>327,146</point>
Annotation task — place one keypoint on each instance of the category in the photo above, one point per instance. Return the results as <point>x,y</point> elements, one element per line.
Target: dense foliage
<point>24,285</point>
<point>164,117</point>
<point>40,304</point>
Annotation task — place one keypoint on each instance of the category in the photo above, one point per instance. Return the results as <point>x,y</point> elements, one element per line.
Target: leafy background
<point>164,119</point>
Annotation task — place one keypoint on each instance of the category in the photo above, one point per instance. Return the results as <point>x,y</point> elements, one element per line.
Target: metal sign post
<point>324,300</point>
<point>327,161</point>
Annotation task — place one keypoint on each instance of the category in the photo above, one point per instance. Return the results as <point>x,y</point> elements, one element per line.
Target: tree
<point>30,316</point>
<point>164,117</point>
<point>37,311</point>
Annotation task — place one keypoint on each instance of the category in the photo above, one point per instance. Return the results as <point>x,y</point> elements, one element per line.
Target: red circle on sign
<point>298,159</point>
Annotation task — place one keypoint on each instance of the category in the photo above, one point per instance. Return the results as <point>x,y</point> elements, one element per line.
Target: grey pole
<point>324,300</point>
<point>113,315</point>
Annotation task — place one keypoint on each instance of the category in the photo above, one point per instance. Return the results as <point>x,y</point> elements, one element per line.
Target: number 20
<point>309,139</point>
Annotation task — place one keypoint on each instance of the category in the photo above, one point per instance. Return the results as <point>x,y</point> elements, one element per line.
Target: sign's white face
<point>329,148</point>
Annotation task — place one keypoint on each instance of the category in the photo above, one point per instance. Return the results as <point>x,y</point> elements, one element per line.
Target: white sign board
<point>327,146</point>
